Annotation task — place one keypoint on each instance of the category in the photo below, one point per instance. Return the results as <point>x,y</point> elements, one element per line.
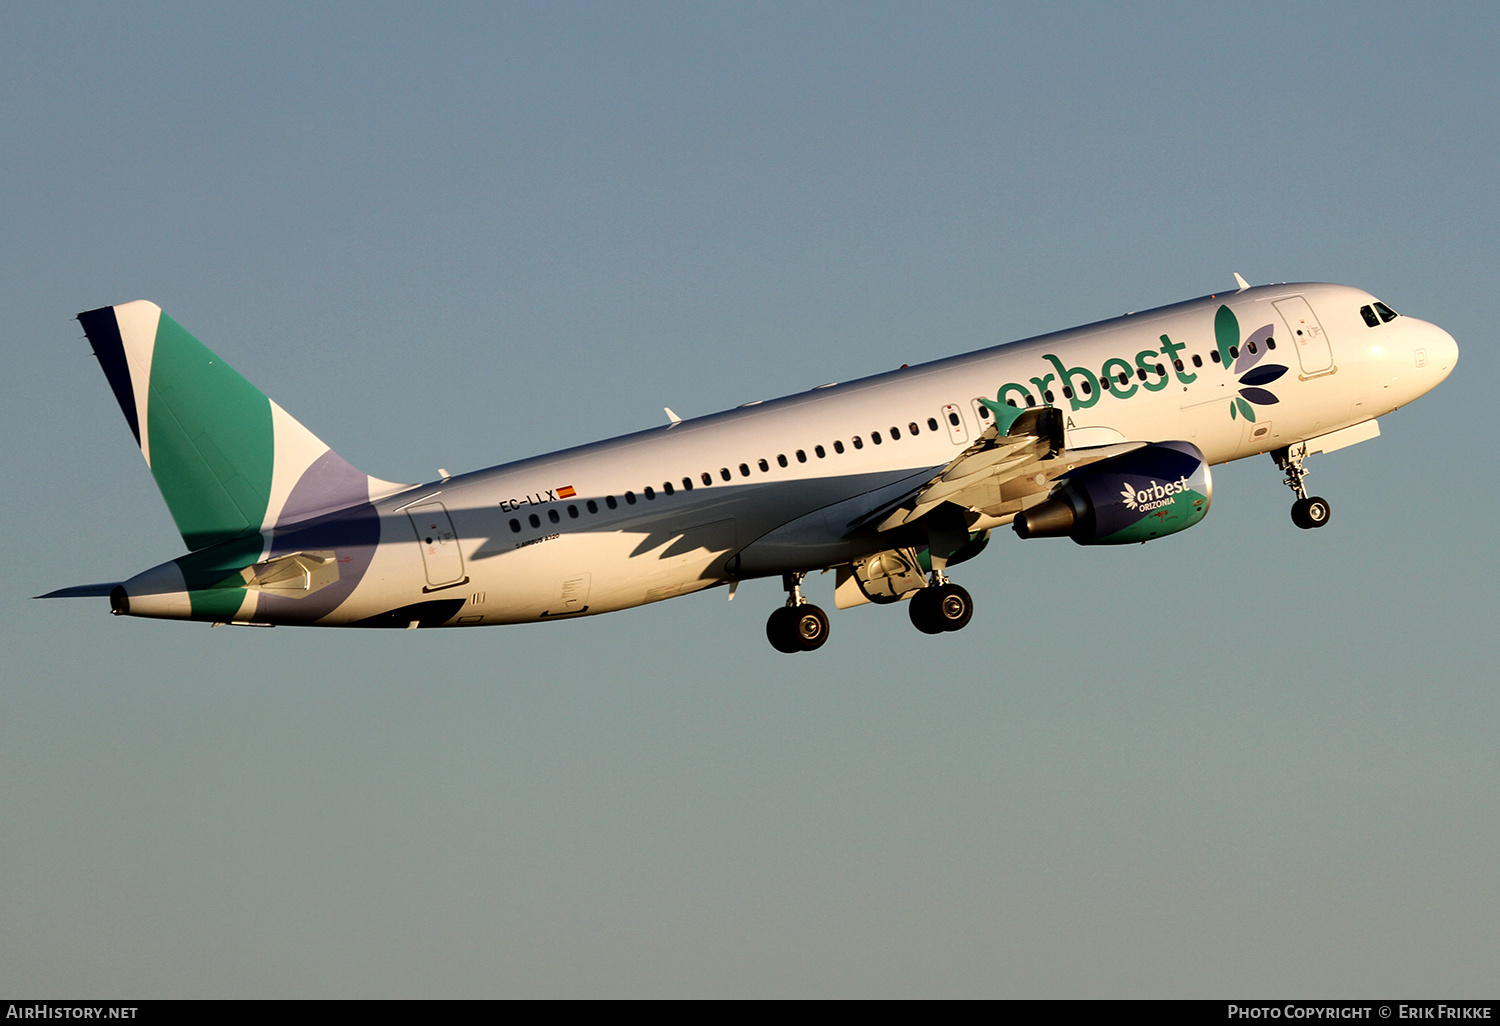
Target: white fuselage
<point>773,487</point>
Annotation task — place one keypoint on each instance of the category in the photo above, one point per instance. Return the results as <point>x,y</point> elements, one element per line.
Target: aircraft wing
<point>998,473</point>
<point>975,479</point>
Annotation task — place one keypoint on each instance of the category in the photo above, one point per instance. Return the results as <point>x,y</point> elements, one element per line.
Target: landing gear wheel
<point>781,630</point>
<point>946,607</point>
<point>924,612</point>
<point>811,625</point>
<point>797,628</point>
<point>955,607</point>
<point>1310,513</point>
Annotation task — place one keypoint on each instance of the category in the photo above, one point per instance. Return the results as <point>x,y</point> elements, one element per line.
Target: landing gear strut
<point>1307,512</point>
<point>798,626</point>
<point>941,606</point>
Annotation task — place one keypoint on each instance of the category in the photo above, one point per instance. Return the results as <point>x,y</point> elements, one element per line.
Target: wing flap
<point>977,477</point>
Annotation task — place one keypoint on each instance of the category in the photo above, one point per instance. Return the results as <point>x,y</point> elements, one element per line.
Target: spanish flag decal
<point>566,492</point>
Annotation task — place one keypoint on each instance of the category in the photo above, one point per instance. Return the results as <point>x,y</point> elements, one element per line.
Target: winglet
<point>1242,282</point>
<point>672,417</point>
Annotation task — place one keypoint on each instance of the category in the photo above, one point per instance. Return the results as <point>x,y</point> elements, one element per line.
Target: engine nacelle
<point>1146,493</point>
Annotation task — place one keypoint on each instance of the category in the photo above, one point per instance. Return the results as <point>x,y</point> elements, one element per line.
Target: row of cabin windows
<point>535,520</point>
<point>1124,378</point>
<point>1385,314</point>
<point>895,432</point>
<point>592,506</point>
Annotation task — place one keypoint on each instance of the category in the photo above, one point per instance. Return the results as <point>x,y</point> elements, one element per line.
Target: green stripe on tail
<point>212,442</point>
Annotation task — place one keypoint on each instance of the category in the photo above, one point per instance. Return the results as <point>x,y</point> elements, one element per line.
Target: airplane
<point>1104,434</point>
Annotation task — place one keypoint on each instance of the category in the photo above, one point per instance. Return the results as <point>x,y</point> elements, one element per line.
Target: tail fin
<point>228,460</point>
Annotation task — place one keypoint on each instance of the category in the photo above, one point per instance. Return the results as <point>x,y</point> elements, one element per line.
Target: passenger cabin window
<point>593,506</point>
<point>744,470</point>
<point>932,424</point>
<point>534,520</point>
<point>781,460</point>
<point>724,473</point>
<point>572,511</point>
<point>630,498</point>
<point>515,526</point>
<point>764,467</point>
<point>553,516</point>
<point>858,442</point>
<point>820,451</point>
<point>707,479</point>
<point>875,437</point>
<point>801,456</point>
<point>838,446</point>
<point>650,492</point>
<point>611,502</point>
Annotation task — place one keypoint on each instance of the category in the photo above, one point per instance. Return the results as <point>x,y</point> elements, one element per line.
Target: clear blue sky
<point>1246,760</point>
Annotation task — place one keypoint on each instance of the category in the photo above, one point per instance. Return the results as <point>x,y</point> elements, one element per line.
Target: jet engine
<point>1145,493</point>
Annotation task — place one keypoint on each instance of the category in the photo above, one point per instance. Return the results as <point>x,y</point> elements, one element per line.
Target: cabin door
<point>1307,335</point>
<point>439,544</point>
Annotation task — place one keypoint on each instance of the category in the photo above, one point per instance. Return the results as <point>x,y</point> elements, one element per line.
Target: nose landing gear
<point>1307,512</point>
<point>798,626</point>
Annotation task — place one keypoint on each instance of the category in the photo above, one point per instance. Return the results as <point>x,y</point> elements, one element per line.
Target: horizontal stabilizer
<point>83,591</point>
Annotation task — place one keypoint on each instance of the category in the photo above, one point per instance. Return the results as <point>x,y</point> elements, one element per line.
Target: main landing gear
<point>798,626</point>
<point>941,606</point>
<point>1307,512</point>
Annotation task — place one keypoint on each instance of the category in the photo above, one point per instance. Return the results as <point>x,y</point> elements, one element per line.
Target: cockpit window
<point>1369,315</point>
<point>1386,313</point>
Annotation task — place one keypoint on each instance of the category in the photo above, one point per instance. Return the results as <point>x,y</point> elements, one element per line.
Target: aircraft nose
<point>1444,351</point>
